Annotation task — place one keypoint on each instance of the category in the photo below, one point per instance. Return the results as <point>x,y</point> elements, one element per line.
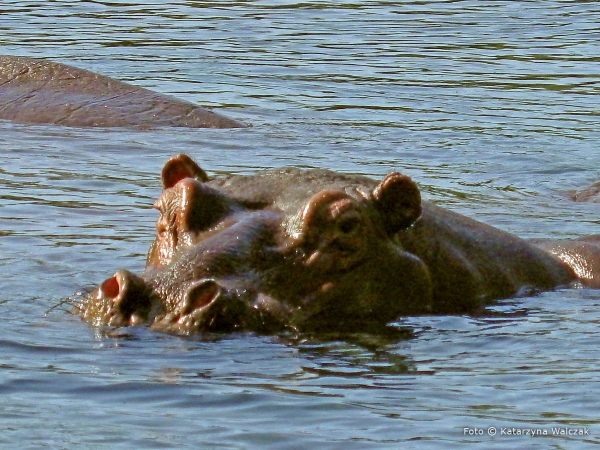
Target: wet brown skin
<point>318,250</point>
<point>41,91</point>
<point>582,255</point>
<point>589,194</point>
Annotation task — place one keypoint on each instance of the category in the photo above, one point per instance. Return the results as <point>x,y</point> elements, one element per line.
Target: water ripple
<point>489,106</point>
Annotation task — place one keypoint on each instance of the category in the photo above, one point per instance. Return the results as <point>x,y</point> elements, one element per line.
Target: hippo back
<point>41,91</point>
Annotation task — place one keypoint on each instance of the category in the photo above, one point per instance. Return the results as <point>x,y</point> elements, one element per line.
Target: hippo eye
<point>348,224</point>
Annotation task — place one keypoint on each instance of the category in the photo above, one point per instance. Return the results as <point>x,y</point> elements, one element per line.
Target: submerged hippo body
<point>41,91</point>
<point>315,250</point>
<point>590,194</point>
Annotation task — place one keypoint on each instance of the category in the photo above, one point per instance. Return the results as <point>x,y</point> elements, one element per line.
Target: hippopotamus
<point>590,194</point>
<point>315,250</point>
<point>40,91</point>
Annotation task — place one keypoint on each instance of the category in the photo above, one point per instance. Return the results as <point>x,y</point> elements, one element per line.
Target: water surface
<point>490,106</point>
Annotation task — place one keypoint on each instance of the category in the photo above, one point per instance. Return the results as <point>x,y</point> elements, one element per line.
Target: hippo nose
<point>128,294</point>
<point>115,287</point>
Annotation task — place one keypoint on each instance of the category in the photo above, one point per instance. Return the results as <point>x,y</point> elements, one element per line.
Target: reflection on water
<point>490,106</point>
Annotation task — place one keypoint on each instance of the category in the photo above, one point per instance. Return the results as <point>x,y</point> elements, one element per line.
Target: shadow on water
<point>354,354</point>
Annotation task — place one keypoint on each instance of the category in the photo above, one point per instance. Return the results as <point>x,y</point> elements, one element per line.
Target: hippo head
<point>309,250</point>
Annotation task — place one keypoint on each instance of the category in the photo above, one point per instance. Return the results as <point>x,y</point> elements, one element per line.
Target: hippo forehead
<point>289,189</point>
<point>306,202</point>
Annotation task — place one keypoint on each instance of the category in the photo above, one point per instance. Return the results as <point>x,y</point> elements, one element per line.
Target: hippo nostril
<point>201,294</point>
<point>109,288</point>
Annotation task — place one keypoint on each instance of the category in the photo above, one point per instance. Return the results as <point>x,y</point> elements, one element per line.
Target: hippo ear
<point>201,294</point>
<point>398,200</point>
<point>179,167</point>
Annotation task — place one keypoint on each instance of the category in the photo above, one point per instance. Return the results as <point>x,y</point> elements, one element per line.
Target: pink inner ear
<point>110,288</point>
<point>398,198</point>
<point>174,174</point>
<point>180,167</point>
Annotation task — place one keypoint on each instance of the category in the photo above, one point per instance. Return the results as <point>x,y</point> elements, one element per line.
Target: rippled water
<point>491,106</point>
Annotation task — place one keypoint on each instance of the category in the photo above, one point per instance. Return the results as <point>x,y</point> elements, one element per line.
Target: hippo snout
<point>201,305</point>
<point>205,306</point>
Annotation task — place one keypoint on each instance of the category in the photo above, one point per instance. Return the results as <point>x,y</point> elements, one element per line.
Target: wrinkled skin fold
<point>317,250</point>
<point>36,90</point>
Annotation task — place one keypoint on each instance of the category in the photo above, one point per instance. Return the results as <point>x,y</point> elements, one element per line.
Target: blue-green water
<point>491,106</point>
